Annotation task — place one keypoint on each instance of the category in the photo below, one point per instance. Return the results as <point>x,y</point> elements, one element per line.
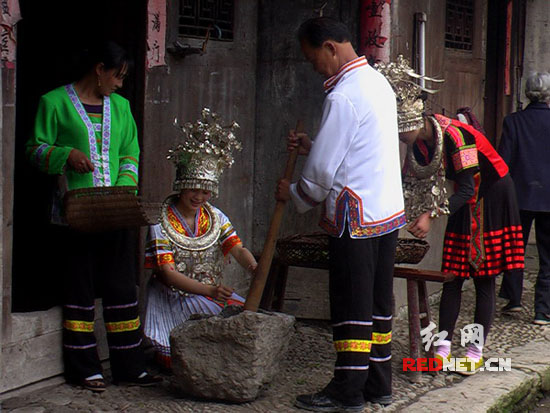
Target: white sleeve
<point>158,249</point>
<point>339,126</point>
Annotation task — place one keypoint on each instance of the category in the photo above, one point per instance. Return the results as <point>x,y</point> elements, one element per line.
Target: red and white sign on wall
<point>375,30</point>
<point>9,15</point>
<point>156,33</point>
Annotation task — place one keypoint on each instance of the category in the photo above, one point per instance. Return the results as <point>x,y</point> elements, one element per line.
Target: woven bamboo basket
<point>311,250</point>
<point>108,208</point>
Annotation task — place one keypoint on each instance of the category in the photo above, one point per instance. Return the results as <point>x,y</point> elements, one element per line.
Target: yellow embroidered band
<point>381,338</point>
<point>79,326</point>
<point>122,326</point>
<point>362,346</point>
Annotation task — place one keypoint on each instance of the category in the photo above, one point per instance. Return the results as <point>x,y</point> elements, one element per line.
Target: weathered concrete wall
<point>222,79</point>
<point>537,41</point>
<point>288,89</point>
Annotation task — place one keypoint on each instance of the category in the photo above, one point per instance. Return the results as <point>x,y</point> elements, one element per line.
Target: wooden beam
<point>422,275</point>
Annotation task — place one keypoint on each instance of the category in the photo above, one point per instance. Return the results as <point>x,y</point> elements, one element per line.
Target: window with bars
<point>459,24</point>
<point>197,17</point>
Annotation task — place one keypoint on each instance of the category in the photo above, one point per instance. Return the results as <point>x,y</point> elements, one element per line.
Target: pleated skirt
<point>484,239</point>
<point>167,309</point>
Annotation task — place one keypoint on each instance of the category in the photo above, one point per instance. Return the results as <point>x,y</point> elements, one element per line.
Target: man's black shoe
<point>320,402</point>
<point>541,319</point>
<point>383,400</point>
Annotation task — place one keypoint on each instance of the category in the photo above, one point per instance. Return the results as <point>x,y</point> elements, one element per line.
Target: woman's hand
<point>298,140</point>
<point>221,292</point>
<point>252,268</point>
<point>421,225</point>
<point>78,161</point>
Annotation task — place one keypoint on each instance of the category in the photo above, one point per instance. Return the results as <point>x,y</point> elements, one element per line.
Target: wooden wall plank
<point>8,157</point>
<point>24,347</point>
<point>42,352</point>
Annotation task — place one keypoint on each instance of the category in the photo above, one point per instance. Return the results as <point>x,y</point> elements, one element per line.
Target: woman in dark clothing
<point>525,146</point>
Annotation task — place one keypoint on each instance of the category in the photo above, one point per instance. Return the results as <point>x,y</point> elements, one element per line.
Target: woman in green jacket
<point>85,133</point>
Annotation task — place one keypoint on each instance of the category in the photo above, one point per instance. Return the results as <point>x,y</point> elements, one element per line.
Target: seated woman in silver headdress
<point>186,249</point>
<point>483,237</point>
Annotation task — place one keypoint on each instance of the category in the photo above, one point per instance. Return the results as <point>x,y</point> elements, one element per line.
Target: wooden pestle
<point>258,282</point>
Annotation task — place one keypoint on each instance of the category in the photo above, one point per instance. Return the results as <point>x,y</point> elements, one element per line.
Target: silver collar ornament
<point>424,185</point>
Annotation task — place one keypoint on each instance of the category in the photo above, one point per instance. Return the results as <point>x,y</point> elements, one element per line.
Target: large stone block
<point>229,358</point>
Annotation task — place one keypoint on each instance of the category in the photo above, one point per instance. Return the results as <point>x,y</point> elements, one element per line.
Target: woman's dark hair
<point>318,30</point>
<point>109,53</point>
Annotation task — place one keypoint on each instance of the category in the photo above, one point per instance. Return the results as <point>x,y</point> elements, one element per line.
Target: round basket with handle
<point>108,208</point>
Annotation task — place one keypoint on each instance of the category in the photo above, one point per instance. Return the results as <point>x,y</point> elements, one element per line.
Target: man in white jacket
<point>353,167</point>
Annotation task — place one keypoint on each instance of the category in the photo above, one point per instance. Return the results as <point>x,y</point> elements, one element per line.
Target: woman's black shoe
<point>383,400</point>
<point>511,308</point>
<point>147,380</point>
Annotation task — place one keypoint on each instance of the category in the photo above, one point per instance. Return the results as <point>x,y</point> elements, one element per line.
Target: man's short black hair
<point>318,30</point>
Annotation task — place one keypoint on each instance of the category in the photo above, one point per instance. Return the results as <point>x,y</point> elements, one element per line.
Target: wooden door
<point>463,59</point>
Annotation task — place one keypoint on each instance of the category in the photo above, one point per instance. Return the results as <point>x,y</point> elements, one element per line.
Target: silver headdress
<point>423,185</point>
<point>403,80</point>
<point>205,153</point>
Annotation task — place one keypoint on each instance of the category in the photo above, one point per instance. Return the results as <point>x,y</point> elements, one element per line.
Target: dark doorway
<point>48,37</point>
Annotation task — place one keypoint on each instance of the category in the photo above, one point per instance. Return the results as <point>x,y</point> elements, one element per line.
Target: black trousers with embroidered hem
<point>360,288</point>
<point>101,265</point>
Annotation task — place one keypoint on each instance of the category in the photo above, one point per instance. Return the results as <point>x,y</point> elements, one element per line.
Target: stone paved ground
<point>543,406</point>
<point>306,368</point>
